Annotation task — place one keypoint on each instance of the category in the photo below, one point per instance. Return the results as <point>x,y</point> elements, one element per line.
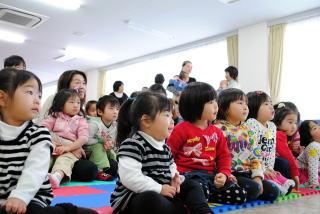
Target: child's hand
<point>233,179</point>
<point>62,149</point>
<point>270,173</point>
<point>220,180</point>
<point>79,153</point>
<point>15,205</point>
<point>108,143</point>
<point>296,181</point>
<point>259,181</point>
<point>176,182</point>
<point>168,191</point>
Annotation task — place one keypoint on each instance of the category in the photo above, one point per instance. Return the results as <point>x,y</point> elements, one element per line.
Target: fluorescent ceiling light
<point>11,37</point>
<point>66,4</point>
<point>84,53</point>
<point>148,30</point>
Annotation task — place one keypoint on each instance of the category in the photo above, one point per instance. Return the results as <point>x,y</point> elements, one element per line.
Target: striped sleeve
<point>131,148</point>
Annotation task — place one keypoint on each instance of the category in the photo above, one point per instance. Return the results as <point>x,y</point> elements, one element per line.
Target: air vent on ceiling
<point>18,17</point>
<point>227,2</point>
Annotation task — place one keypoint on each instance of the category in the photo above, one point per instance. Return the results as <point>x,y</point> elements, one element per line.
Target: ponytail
<point>124,124</point>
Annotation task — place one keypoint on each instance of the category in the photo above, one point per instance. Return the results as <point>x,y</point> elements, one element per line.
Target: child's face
<point>289,124</point>
<point>78,82</point>
<point>171,125</point>
<point>72,106</point>
<point>266,111</point>
<point>159,127</point>
<point>224,84</point>
<point>314,131</point>
<point>210,111</point>
<point>238,111</point>
<point>92,110</point>
<point>110,113</point>
<point>23,106</point>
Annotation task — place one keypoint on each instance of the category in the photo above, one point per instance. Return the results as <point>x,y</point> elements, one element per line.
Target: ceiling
<point>102,23</point>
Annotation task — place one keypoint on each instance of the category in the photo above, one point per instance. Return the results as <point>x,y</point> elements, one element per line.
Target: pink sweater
<point>71,128</point>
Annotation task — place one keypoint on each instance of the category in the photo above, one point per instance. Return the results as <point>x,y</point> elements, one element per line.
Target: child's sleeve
<point>256,166</point>
<point>130,169</point>
<point>49,122</point>
<point>283,150</point>
<point>83,129</point>
<point>223,157</point>
<point>93,133</point>
<point>313,164</point>
<point>35,168</point>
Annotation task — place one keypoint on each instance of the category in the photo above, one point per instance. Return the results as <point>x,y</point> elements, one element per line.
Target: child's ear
<point>99,112</point>
<point>3,98</point>
<point>145,121</point>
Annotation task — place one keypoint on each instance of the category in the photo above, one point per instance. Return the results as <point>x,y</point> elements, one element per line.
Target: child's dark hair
<point>305,132</point>
<point>116,85</point>
<point>293,107</point>
<point>104,100</point>
<point>60,99</point>
<point>131,111</point>
<point>89,103</point>
<point>280,112</point>
<point>157,88</point>
<point>12,78</point>
<point>14,60</point>
<point>233,72</point>
<point>134,94</point>
<point>193,98</point>
<point>159,79</point>
<point>255,100</point>
<point>225,98</point>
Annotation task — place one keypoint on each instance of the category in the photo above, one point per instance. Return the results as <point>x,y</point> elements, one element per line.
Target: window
<point>208,63</point>
<point>301,74</point>
<point>47,92</point>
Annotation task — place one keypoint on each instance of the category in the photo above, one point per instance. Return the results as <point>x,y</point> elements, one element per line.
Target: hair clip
<point>131,98</point>
<point>281,105</point>
<point>259,92</point>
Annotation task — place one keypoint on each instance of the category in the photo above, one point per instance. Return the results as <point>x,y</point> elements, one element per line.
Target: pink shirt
<point>71,128</point>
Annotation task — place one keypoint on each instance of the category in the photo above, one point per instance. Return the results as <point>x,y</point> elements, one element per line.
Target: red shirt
<point>197,149</point>
<point>283,151</point>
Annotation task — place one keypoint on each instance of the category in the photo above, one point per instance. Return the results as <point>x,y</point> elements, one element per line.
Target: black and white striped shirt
<point>24,163</point>
<point>155,164</point>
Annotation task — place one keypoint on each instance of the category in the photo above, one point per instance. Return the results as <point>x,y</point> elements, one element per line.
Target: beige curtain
<point>102,83</point>
<point>276,36</point>
<point>232,45</point>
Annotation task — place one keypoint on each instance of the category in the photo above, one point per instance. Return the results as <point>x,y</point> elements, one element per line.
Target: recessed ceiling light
<point>66,4</point>
<point>11,37</point>
<point>83,53</point>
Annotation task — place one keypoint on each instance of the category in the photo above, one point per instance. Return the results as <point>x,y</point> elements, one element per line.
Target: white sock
<point>55,179</point>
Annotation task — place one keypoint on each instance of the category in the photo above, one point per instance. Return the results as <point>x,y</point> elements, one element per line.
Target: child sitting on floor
<point>102,137</point>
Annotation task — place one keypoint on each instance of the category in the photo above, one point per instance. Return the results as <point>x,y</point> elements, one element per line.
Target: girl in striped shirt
<point>148,178</point>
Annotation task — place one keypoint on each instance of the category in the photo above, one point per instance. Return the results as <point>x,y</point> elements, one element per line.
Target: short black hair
<point>116,85</point>
<point>12,78</point>
<point>14,60</point>
<point>158,88</point>
<point>225,98</point>
<point>89,103</point>
<point>305,132</point>
<point>280,112</point>
<point>159,79</point>
<point>60,99</point>
<point>193,98</point>
<point>255,100</point>
<point>233,72</point>
<point>104,100</point>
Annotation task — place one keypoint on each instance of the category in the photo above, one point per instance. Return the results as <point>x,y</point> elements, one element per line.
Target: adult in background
<point>187,67</point>
<point>83,170</point>
<point>15,61</point>
<point>231,74</point>
<point>159,79</point>
<point>118,88</point>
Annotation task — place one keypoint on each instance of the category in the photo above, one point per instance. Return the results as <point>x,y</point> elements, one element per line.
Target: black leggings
<point>282,165</point>
<point>113,169</point>
<point>84,170</point>
<point>34,208</point>
<point>190,196</point>
<point>270,191</point>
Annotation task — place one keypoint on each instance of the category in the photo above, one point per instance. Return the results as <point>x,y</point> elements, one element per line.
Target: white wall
<point>253,58</point>
<point>92,85</point>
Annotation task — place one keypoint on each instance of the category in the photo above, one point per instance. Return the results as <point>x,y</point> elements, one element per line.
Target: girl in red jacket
<point>286,121</point>
<point>200,149</point>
